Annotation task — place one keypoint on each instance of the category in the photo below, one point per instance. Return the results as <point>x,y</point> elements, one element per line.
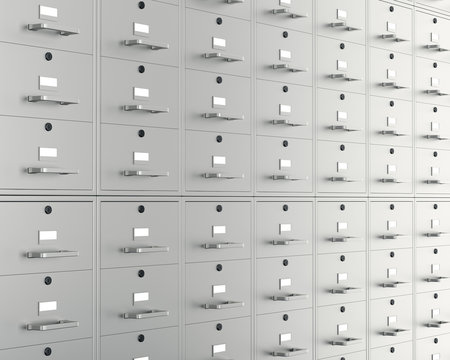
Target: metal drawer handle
<point>227,58</point>
<point>343,25</point>
<point>392,132</point>
<point>234,1</point>
<point>346,290</point>
<point>392,181</point>
<point>152,110</point>
<point>395,332</point>
<point>436,234</point>
<point>144,173</point>
<point>54,171</point>
<point>436,137</point>
<point>151,46</point>
<point>44,26</point>
<point>392,236</point>
<point>342,179</point>
<point>223,116</point>
<point>342,128</point>
<point>436,47</point>
<point>225,305</point>
<point>290,352</point>
<point>288,178</point>
<point>289,242</point>
<point>343,239</point>
<point>435,182</point>
<point>394,284</point>
<point>52,99</point>
<point>226,245</point>
<point>436,92</point>
<point>289,13</point>
<point>393,84</point>
<point>436,279</point>
<point>290,297</point>
<point>343,77</point>
<point>222,176</point>
<point>287,123</point>
<point>51,254</point>
<point>59,325</point>
<point>346,342</point>
<point>151,314</point>
<point>437,324</point>
<point>392,37</point>
<point>288,68</point>
<point>146,249</point>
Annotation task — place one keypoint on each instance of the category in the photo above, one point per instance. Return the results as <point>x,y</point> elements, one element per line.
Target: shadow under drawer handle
<point>289,242</point>
<point>342,128</point>
<point>392,181</point>
<point>437,324</point>
<point>289,13</point>
<point>227,58</point>
<point>346,342</point>
<point>223,116</point>
<point>435,182</point>
<point>222,176</point>
<point>151,110</point>
<point>436,47</point>
<point>290,352</point>
<point>342,179</point>
<point>227,245</point>
<point>59,325</point>
<point>392,37</point>
<point>393,85</point>
<point>225,305</point>
<point>436,92</point>
<point>51,254</point>
<point>343,239</point>
<point>287,178</point>
<point>436,137</point>
<point>343,77</point>
<point>44,26</point>
<point>290,297</point>
<point>395,332</point>
<point>146,315</point>
<point>151,46</point>
<point>436,279</point>
<point>287,123</point>
<point>435,234</point>
<point>144,173</point>
<point>288,67</point>
<point>343,25</point>
<point>52,99</point>
<point>392,132</point>
<point>52,171</point>
<point>347,290</point>
<point>392,237</point>
<point>146,249</point>
<point>394,284</point>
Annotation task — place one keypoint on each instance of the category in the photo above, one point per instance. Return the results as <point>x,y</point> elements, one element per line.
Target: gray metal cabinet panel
<point>147,35</point>
<point>35,313</point>
<point>432,36</point>
<point>403,351</point>
<point>432,314</point>
<point>131,238</point>
<point>360,355</point>
<point>432,83</point>
<point>218,230</point>
<point>217,291</point>
<point>432,127</point>
<point>284,165</point>
<point>38,159</point>
<point>216,102</point>
<point>432,227</point>
<point>133,299</point>
<point>432,268</point>
<point>284,284</point>
<point>284,228</point>
<point>132,162</point>
<point>437,5</point>
<point>233,341</point>
<point>240,9</point>
<point>223,48</point>
<point>285,335</point>
<point>434,348</point>
<point>432,171</point>
<point>279,113</point>
<point>57,89</point>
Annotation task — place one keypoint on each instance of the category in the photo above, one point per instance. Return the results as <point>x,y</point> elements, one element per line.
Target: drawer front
<point>340,329</point>
<point>432,171</point>
<point>284,229</point>
<point>139,233</point>
<point>285,335</point>
<point>46,89</point>
<point>146,37</point>
<point>403,351</point>
<point>341,116</point>
<point>278,112</point>
<point>434,348</point>
<point>290,14</point>
<point>391,273</point>
<point>341,278</point>
<point>222,48</point>
<point>239,9</point>
<point>432,268</point>
<point>217,162</point>
<point>432,229</point>
<point>284,284</point>
<point>218,102</point>
<point>341,226</point>
<point>432,36</point>
<point>284,165</point>
<point>233,340</point>
<point>36,313</point>
<point>432,83</point>
<point>139,159</point>
<point>440,5</point>
<point>432,314</point>
<point>135,299</point>
<point>218,231</point>
<point>432,127</point>
<point>283,55</point>
<point>61,240</point>
<point>46,160</point>
<point>391,225</point>
<point>217,291</point>
<point>130,97</point>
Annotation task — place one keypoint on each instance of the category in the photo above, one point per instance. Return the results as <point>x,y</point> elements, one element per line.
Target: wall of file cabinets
<point>225,179</point>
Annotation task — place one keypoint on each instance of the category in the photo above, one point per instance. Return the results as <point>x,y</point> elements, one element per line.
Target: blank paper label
<point>342,277</point>
<point>285,164</point>
<point>48,235</point>
<point>217,349</point>
<point>391,169</point>
<point>285,228</point>
<point>48,83</point>
<point>341,14</point>
<point>391,273</point>
<point>219,230</point>
<point>285,109</point>
<point>219,44</point>
<point>436,357</point>
<point>219,289</point>
<point>48,306</point>
<point>48,13</point>
<point>342,116</point>
<point>285,55</point>
<point>391,121</point>
<point>141,29</point>
<point>341,226</point>
<point>141,156</point>
<point>435,171</point>
<point>434,126</point>
<point>342,65</point>
<point>435,82</point>
<point>285,283</point>
<point>435,268</point>
<point>285,338</point>
<point>141,297</point>
<point>286,3</point>
<point>434,37</point>
<point>391,27</point>
<point>391,74</point>
<point>435,313</point>
<point>392,224</point>
<point>141,93</point>
<point>48,153</point>
<point>142,358</point>
<point>219,160</point>
<point>342,328</point>
<point>391,320</point>
<point>342,166</point>
<point>219,102</point>
<point>435,223</point>
<point>140,232</point>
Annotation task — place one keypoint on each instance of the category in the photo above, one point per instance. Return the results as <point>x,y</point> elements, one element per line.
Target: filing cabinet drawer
<point>341,116</point>
<point>279,113</point>
<point>432,36</point>
<point>341,278</point>
<point>36,313</point>
<point>61,240</point>
<point>391,122</point>
<point>432,83</point>
<point>432,268</point>
<point>391,225</point>
<point>432,226</point>
<point>341,226</point>
<point>139,233</point>
<point>234,8</point>
<point>285,335</point>
<point>149,34</point>
<point>391,169</point>
<point>216,102</point>
<point>70,350</point>
<point>46,89</point>
<point>439,5</point>
<point>432,171</point>
<point>284,228</point>
<point>391,74</point>
<point>341,329</point>
<point>391,320</point>
<point>284,165</point>
<point>156,344</point>
<point>43,155</point>
<point>434,348</point>
<point>401,351</point>
<point>290,14</point>
<point>220,46</point>
<point>341,65</point>
<point>391,26</point>
<point>135,299</point>
<point>391,273</point>
<point>283,284</point>
<point>130,97</point>
<point>360,355</point>
<point>432,126</point>
<point>342,19</point>
<point>432,314</point>
<point>50,24</point>
<point>133,158</point>
<point>283,55</point>
<point>217,162</point>
<point>217,291</point>
<point>218,230</point>
<point>226,339</point>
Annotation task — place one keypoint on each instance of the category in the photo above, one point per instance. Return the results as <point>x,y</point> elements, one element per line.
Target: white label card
<point>48,13</point>
<point>435,82</point>
<point>341,226</point>
<point>48,153</point>
<point>391,169</point>
<point>341,14</point>
<point>342,166</point>
<point>48,83</point>
<point>285,338</point>
<point>391,224</point>
<point>342,65</point>
<point>436,357</point>
<point>141,156</point>
<point>391,27</point>
<point>285,164</point>
<point>48,306</point>
<point>141,93</point>
<point>219,289</point>
<point>219,230</point>
<point>435,268</point>
<point>435,223</point>
<point>342,328</point>
<point>285,283</point>
<point>342,277</point>
<point>391,320</point>
<point>285,109</point>
<point>219,44</point>
<point>342,116</point>
<point>141,232</point>
<point>48,235</point>
<point>219,160</point>
<point>391,74</point>
<point>285,55</point>
<point>391,273</point>
<point>217,349</point>
<point>285,3</point>
<point>141,297</point>
<point>142,358</point>
<point>141,29</point>
<point>435,171</point>
<point>434,126</point>
<point>285,228</point>
<point>435,313</point>
<point>434,37</point>
<point>219,102</point>
<point>391,121</point>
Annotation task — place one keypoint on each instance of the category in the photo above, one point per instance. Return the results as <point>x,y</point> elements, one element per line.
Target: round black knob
<point>141,133</point>
<point>219,79</point>
<point>285,207</point>
<point>436,340</point>
<point>391,56</point>
<point>285,88</point>
<point>141,338</point>
<point>219,208</point>
<point>435,206</point>
<point>342,207</point>
<point>141,5</point>
<point>219,327</point>
<point>141,69</point>
<point>48,56</point>
<point>48,209</point>
<point>435,65</point>
<point>392,254</point>
<point>219,138</point>
<point>141,273</point>
<point>391,9</point>
<point>392,206</point>
<point>285,317</point>
<point>435,251</point>
<point>342,358</point>
<point>47,351</point>
<point>141,209</point>
<point>392,302</point>
<point>285,143</point>
<point>48,127</point>
<point>392,151</point>
<point>342,147</point>
<point>435,109</point>
<point>391,103</point>
<point>219,21</point>
<point>435,20</point>
<point>392,349</point>
<point>48,280</point>
<point>342,258</point>
<point>342,46</point>
<point>342,96</point>
<point>219,267</point>
<point>285,34</point>
<point>285,262</point>
<point>435,154</point>
<point>436,295</point>
<point>342,309</point>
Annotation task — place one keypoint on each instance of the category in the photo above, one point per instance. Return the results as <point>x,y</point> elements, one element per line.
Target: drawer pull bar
<point>223,116</point>
<point>342,179</point>
<point>343,77</point>
<point>290,297</point>
<point>222,176</point>
<point>395,332</point>
<point>55,171</point>
<point>436,137</point>
<point>288,178</point>
<point>146,249</point>
<point>347,290</point>
<point>52,99</point>
<point>436,92</point>
<point>392,37</point>
<point>342,128</point>
<point>393,84</point>
<point>59,325</point>
<point>343,24</point>
<point>227,245</point>
<point>227,58</point>
<point>151,46</point>
<point>346,342</point>
<point>343,239</point>
<point>146,315</point>
<point>234,1</point>
<point>394,284</point>
<point>289,242</point>
<point>435,182</point>
<point>287,123</point>
<point>435,234</point>
<point>436,279</point>
<point>290,352</point>
<point>437,324</point>
<point>288,68</point>
<point>44,26</point>
<point>436,47</point>
<point>392,181</point>
<point>392,236</point>
<point>51,254</point>
<point>289,13</point>
<point>392,132</point>
<point>144,173</point>
<point>225,305</point>
<point>152,110</point>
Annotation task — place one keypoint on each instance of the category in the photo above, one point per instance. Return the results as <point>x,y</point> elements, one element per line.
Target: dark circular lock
<point>391,9</point>
<point>391,103</point>
<point>141,338</point>
<point>436,295</point>
<point>141,69</point>
<point>435,251</point>
<point>285,34</point>
<point>285,262</point>
<point>48,209</point>
<point>392,254</point>
<point>342,358</point>
<point>219,327</point>
<point>285,207</point>
<point>342,258</point>
<point>392,151</point>
<point>285,143</point>
<point>48,127</point>
<point>219,138</point>
<point>48,280</point>
<point>392,206</point>
<point>435,206</point>
<point>47,351</point>
<point>219,208</point>
<point>435,65</point>
<point>342,207</point>
<point>285,317</point>
<point>392,349</point>
<point>141,273</point>
<point>48,56</point>
<point>435,154</point>
<point>342,46</point>
<point>141,133</point>
<point>435,109</point>
<point>342,147</point>
<point>219,21</point>
<point>219,267</point>
<point>392,302</point>
<point>391,56</point>
<point>141,209</point>
<point>141,5</point>
<point>285,88</point>
<point>436,340</point>
<point>435,20</point>
<point>342,96</point>
<point>219,80</point>
<point>342,309</point>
